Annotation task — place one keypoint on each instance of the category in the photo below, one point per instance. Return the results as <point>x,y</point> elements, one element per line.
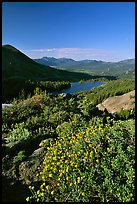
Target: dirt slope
<point>116,103</point>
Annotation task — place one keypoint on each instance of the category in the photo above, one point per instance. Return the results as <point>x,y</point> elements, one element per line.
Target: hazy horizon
<point>67,57</point>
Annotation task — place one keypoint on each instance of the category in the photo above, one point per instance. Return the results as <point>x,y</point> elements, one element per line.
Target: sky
<point>77,30</point>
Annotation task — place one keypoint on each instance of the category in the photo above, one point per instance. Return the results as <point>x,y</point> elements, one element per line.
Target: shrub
<point>18,133</point>
<point>58,118</point>
<point>95,164</point>
<point>20,156</point>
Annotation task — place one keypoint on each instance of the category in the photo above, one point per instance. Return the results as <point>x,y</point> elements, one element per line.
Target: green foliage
<point>95,164</point>
<point>46,110</point>
<point>5,128</point>
<point>125,114</point>
<point>89,159</point>
<point>19,132</point>
<point>22,95</point>
<point>111,88</point>
<point>20,156</point>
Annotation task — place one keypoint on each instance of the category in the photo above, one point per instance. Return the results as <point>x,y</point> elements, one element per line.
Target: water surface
<point>5,104</point>
<point>77,87</point>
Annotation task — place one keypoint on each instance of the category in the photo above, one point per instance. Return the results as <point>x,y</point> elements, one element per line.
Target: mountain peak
<point>10,47</point>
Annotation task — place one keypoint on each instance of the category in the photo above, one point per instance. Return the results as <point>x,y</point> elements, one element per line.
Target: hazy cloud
<point>77,54</point>
<point>44,50</point>
<point>80,53</point>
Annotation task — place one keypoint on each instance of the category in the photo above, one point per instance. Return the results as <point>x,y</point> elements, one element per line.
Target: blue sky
<point>78,30</point>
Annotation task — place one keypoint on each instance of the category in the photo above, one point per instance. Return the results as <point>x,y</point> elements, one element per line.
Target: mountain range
<point>92,65</point>
<point>17,68</point>
<point>16,65</point>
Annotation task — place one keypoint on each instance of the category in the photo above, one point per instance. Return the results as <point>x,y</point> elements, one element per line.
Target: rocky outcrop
<point>116,103</point>
<point>45,143</point>
<point>23,170</point>
<point>28,169</point>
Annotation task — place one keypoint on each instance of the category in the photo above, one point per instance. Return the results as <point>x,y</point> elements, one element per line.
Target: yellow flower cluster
<point>65,160</point>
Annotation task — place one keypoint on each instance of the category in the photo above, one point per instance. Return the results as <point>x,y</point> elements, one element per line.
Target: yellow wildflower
<point>91,153</point>
<point>42,194</point>
<point>38,192</point>
<point>52,192</point>
<point>71,184</point>
<point>27,199</point>
<point>60,175</point>
<point>86,153</point>
<point>50,175</point>
<point>108,149</point>
<point>107,138</point>
<point>78,179</point>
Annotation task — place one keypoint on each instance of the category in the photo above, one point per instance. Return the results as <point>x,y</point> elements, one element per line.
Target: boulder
<point>64,95</point>
<point>46,142</point>
<point>28,169</point>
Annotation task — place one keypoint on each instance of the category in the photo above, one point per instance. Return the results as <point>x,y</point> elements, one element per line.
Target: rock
<point>46,142</point>
<point>116,103</point>
<point>28,169</point>
<point>37,153</point>
<point>29,144</point>
<point>64,95</point>
<point>13,147</point>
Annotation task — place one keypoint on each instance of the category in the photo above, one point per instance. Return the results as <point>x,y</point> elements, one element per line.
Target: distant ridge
<point>93,65</point>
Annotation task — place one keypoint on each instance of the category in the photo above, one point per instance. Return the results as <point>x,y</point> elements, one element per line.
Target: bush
<point>20,156</point>
<point>96,164</point>
<point>18,133</point>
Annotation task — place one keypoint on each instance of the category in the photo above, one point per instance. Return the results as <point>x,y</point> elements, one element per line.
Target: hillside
<point>55,62</point>
<point>116,103</point>
<point>17,68</point>
<point>15,64</point>
<point>92,65</point>
<point>51,143</point>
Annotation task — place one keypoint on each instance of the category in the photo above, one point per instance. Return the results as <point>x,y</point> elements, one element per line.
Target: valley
<point>68,102</point>
<point>54,146</point>
<point>125,68</point>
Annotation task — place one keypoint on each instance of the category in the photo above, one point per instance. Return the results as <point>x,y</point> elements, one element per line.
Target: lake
<point>5,104</point>
<point>77,87</point>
